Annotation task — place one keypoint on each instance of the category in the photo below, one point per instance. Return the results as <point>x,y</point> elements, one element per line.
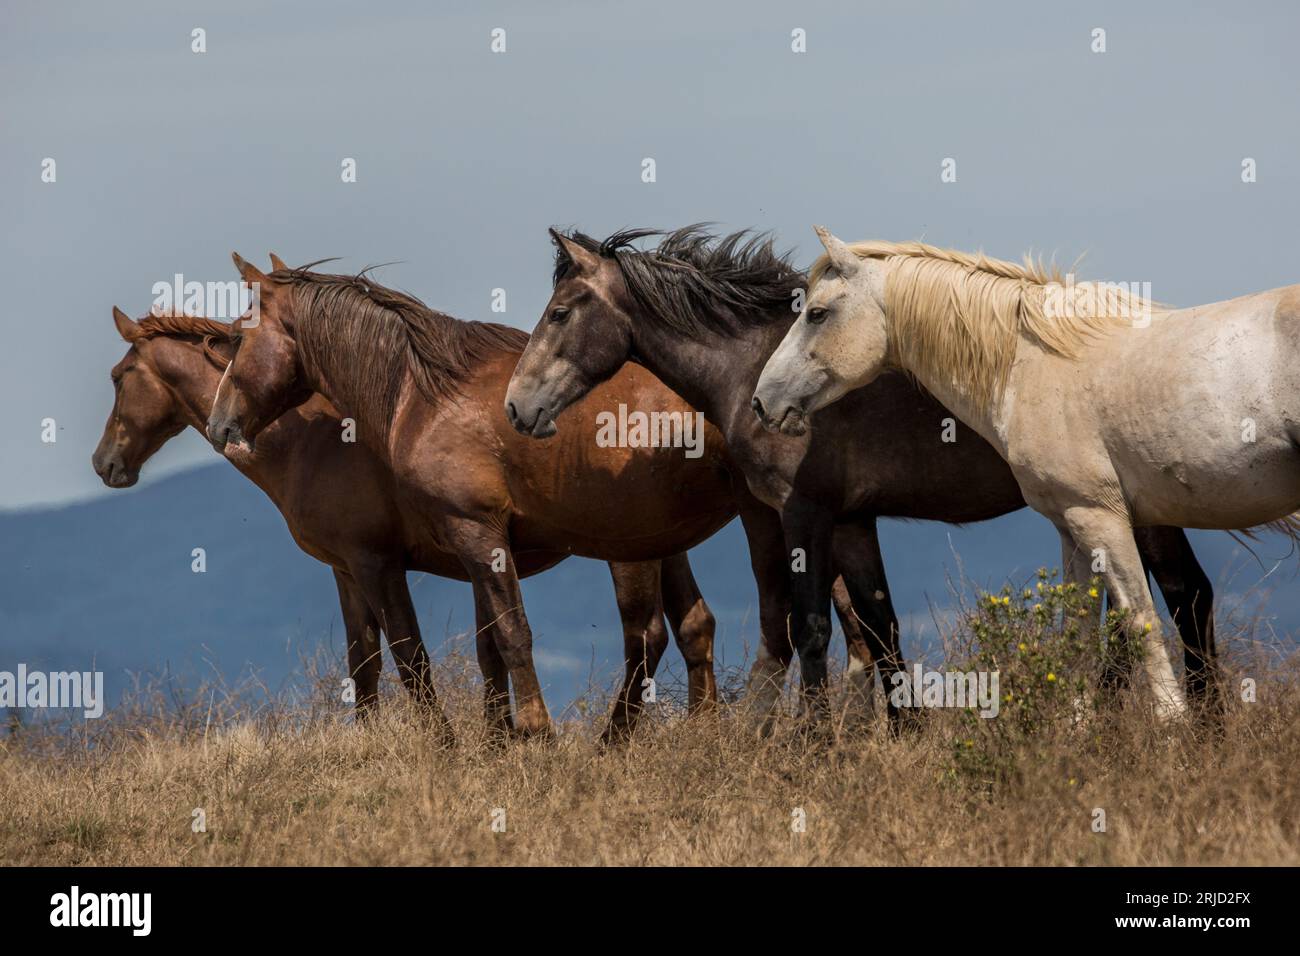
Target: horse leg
<point>645,638</point>
<point>364,655</point>
<point>496,679</point>
<point>1168,556</point>
<point>1099,530</point>
<point>1074,562</point>
<point>490,565</point>
<point>861,664</point>
<point>392,600</point>
<point>809,532</point>
<point>693,626</point>
<point>1077,570</point>
<point>767,558</point>
<point>857,555</point>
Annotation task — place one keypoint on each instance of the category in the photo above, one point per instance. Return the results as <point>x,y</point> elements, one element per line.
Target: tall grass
<point>291,779</point>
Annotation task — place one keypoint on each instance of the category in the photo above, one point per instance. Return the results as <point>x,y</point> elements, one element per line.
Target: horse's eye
<point>818,315</point>
<point>559,313</point>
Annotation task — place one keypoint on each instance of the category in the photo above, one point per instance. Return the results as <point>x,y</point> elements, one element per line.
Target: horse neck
<point>981,419</point>
<point>194,381</point>
<point>337,385</point>
<point>714,372</point>
<point>191,377</point>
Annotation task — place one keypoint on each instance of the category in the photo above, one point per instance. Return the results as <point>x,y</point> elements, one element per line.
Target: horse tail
<point>1288,527</point>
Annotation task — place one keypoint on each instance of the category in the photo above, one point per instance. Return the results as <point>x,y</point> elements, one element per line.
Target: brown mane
<point>175,324</point>
<point>364,336</point>
<point>178,323</point>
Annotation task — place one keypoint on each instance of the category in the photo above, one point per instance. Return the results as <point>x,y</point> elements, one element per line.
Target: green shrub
<point>1050,648</point>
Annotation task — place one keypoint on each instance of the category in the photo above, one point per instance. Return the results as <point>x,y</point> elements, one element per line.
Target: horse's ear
<point>127,327</point>
<point>277,264</point>
<point>844,259</point>
<point>583,259</point>
<point>247,271</point>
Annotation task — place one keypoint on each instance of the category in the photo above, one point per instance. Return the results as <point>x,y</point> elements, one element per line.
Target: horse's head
<point>265,379</point>
<point>837,344</point>
<point>583,338</point>
<point>147,411</point>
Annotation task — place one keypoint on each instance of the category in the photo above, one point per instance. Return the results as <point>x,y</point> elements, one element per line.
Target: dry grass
<point>295,782</point>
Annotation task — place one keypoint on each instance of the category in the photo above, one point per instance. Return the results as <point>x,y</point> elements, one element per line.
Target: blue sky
<point>167,159</point>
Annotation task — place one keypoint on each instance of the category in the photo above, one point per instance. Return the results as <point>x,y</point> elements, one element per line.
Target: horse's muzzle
<point>540,426</point>
<point>790,422</point>
<point>113,472</point>
<point>228,434</point>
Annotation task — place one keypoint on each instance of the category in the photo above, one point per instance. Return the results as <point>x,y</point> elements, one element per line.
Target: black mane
<point>695,281</point>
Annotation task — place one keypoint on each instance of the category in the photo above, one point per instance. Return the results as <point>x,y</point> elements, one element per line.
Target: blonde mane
<point>959,316</point>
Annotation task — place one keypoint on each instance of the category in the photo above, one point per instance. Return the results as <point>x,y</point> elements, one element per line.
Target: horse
<point>339,504</point>
<point>1113,413</point>
<point>703,314</point>
<point>424,390</point>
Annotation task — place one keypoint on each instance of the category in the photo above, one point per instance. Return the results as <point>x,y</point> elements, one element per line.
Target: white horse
<point>1112,412</point>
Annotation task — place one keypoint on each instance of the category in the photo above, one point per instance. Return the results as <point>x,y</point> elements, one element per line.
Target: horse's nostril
<point>510,411</point>
<point>757,406</point>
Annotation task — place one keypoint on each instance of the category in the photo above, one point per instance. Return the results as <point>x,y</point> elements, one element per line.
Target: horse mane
<point>695,281</point>
<point>179,323</point>
<point>958,316</point>
<point>372,334</point>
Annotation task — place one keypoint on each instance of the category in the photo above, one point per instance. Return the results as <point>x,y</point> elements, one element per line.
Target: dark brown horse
<point>339,503</point>
<point>704,315</point>
<point>425,392</point>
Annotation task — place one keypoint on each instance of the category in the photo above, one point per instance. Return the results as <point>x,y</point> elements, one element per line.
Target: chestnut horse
<point>425,391</point>
<point>339,503</point>
<point>703,315</point>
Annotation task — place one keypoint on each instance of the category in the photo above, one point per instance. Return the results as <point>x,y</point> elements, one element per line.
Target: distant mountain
<point>108,583</point>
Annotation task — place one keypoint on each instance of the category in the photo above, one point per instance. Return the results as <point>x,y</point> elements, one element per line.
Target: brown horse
<point>425,392</point>
<point>339,503</point>
<point>704,314</point>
